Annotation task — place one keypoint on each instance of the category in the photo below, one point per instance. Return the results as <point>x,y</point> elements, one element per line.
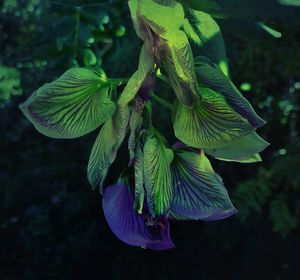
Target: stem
<point>162,101</point>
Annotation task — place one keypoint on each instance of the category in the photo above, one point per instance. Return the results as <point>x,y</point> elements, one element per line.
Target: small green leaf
<point>158,179</point>
<point>73,105</point>
<point>210,124</point>
<point>139,179</point>
<point>146,65</point>
<point>106,146</point>
<point>135,124</point>
<point>243,150</point>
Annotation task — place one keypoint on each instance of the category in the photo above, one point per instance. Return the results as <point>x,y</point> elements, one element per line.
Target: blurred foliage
<point>51,225</point>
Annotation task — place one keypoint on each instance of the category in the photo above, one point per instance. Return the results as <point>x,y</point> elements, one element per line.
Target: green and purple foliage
<point>209,116</point>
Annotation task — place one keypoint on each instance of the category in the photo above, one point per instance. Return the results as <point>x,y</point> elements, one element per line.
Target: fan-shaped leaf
<point>210,124</point>
<point>73,105</point>
<point>106,146</point>
<point>199,192</point>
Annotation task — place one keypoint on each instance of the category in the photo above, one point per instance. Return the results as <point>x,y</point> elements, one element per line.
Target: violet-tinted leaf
<point>131,227</point>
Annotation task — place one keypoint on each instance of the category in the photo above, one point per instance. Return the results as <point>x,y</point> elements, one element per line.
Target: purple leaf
<point>131,228</point>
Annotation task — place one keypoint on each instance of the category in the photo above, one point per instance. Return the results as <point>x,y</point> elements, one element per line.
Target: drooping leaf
<point>205,33</point>
<point>139,179</point>
<point>73,105</point>
<point>212,76</point>
<point>135,123</point>
<point>157,175</point>
<point>130,227</point>
<point>106,146</point>
<point>278,11</point>
<point>210,124</point>
<point>244,149</point>
<point>178,61</point>
<point>146,65</point>
<point>199,192</point>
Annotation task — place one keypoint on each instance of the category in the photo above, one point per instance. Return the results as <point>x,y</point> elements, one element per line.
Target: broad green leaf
<point>146,65</point>
<point>248,30</point>
<point>212,76</point>
<point>199,192</point>
<point>244,150</point>
<point>139,179</point>
<point>277,11</point>
<point>157,175</point>
<point>178,61</point>
<point>210,124</point>
<point>106,146</point>
<point>73,105</point>
<point>203,31</point>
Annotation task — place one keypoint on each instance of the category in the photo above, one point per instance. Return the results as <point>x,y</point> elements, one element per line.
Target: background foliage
<point>51,223</point>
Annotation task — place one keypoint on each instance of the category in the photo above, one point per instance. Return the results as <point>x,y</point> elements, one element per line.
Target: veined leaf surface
<point>71,106</point>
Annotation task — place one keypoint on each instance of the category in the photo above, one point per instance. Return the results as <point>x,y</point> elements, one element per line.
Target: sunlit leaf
<point>199,192</point>
<point>106,146</point>
<point>178,62</point>
<point>73,105</point>
<point>210,124</point>
<point>211,75</point>
<point>158,180</point>
<point>203,31</point>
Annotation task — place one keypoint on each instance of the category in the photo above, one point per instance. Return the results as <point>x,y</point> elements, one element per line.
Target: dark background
<point>51,222</point>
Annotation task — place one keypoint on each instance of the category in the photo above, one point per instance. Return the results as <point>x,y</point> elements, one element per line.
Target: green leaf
<point>178,62</point>
<point>199,192</point>
<point>158,179</point>
<point>163,18</point>
<point>146,65</point>
<point>135,124</point>
<point>139,179</point>
<point>106,146</point>
<point>73,105</point>
<point>277,11</point>
<point>244,149</point>
<point>204,32</point>
<point>210,124</point>
<point>212,76</point>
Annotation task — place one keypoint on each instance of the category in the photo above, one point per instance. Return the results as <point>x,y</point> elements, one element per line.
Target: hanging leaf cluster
<point>209,117</point>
